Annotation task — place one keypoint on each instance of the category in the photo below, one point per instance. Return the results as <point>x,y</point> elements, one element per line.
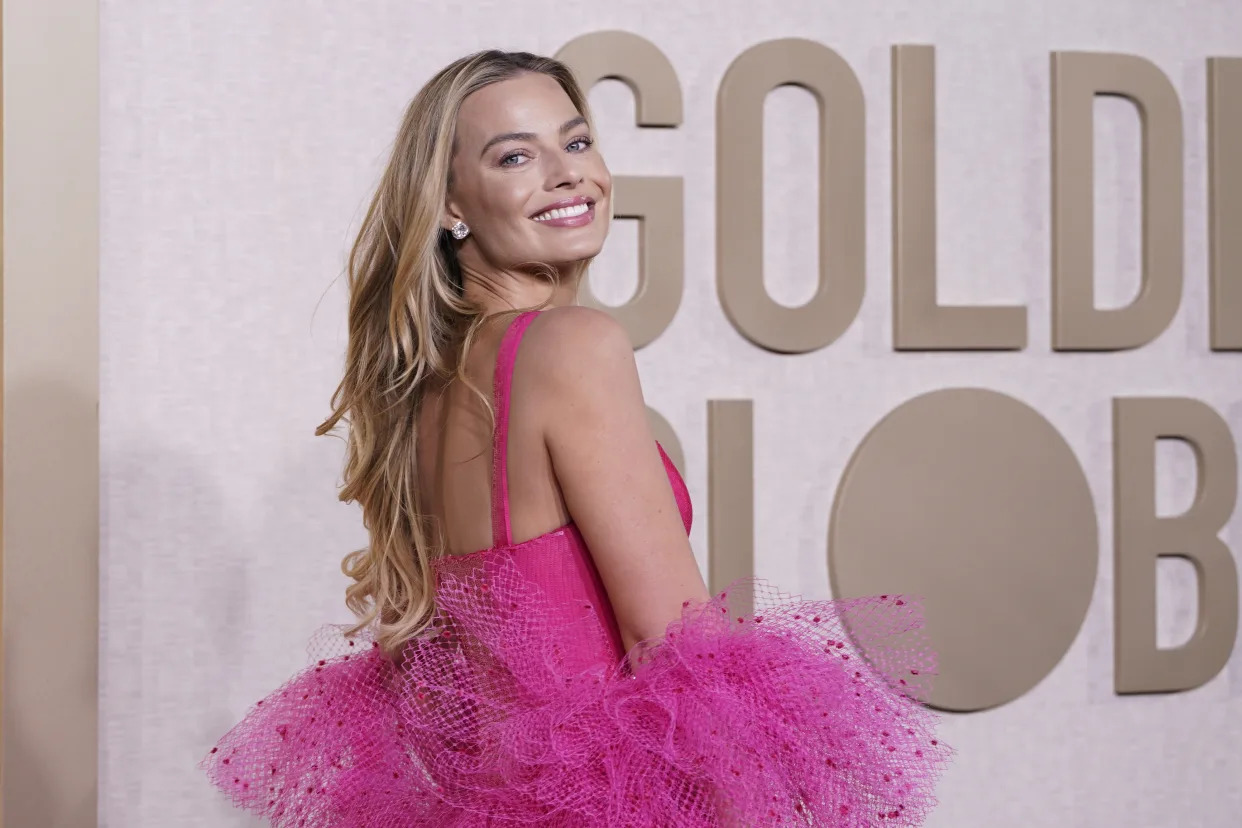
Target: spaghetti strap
<point>502,385</point>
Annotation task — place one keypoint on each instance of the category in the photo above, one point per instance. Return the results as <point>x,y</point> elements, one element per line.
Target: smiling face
<point>526,177</point>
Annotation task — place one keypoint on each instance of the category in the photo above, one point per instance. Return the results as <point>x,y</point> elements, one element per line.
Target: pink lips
<point>579,220</point>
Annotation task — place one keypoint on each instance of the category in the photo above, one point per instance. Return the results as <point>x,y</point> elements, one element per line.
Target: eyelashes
<point>586,140</point>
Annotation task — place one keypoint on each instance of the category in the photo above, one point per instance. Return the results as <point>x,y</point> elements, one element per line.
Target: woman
<point>535,643</point>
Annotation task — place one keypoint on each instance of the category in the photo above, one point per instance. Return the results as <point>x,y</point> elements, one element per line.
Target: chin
<point>570,254</point>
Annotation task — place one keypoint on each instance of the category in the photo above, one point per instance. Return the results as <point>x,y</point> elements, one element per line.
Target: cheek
<point>503,232</point>
<point>603,177</point>
<point>505,204</point>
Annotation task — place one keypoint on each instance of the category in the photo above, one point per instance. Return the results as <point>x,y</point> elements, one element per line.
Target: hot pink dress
<point>520,707</point>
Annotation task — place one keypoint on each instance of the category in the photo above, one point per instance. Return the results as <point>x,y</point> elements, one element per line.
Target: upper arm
<point>610,473</point>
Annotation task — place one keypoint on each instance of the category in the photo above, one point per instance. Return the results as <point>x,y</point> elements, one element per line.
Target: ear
<point>451,214</point>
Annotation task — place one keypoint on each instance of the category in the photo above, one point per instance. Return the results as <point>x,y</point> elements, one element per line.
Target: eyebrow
<point>530,136</point>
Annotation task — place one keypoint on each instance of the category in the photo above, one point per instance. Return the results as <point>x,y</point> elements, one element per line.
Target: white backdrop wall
<point>240,141</point>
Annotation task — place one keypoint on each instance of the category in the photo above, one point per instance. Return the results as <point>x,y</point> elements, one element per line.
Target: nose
<point>565,172</point>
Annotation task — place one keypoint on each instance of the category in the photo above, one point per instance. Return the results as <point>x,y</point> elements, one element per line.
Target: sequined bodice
<point>559,561</point>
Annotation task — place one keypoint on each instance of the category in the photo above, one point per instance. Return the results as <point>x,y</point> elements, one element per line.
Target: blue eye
<point>512,159</point>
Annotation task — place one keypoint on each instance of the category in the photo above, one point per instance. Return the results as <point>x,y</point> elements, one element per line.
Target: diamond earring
<point>460,230</point>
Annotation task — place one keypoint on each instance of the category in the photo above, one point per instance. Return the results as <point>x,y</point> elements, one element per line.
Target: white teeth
<point>563,212</point>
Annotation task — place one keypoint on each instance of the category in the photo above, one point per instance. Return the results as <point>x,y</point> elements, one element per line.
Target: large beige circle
<point>972,500</point>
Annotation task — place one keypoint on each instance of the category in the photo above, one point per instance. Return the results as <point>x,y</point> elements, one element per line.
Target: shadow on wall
<point>167,586</point>
<point>197,586</point>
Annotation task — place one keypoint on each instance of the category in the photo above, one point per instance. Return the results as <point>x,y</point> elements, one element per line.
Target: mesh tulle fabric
<point>518,707</point>
<point>758,708</point>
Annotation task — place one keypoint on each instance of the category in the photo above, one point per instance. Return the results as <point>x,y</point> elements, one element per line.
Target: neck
<point>500,291</point>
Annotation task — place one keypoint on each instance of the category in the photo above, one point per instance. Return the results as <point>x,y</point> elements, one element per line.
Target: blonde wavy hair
<point>410,327</point>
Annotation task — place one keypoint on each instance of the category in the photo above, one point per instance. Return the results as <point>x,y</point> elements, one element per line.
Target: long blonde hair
<point>409,330</point>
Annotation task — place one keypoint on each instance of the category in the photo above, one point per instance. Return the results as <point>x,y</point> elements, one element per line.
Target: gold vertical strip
<point>2,548</point>
<point>50,440</point>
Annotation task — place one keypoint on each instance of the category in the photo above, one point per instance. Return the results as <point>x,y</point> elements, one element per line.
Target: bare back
<point>577,451</point>
<point>455,455</point>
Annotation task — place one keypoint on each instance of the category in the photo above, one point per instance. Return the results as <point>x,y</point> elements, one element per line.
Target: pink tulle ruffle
<point>758,708</point>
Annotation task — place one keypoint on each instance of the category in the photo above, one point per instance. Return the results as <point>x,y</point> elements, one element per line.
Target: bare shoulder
<point>573,330</point>
<point>568,344</point>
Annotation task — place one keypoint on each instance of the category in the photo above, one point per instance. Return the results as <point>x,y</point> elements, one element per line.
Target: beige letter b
<point>1142,537</point>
